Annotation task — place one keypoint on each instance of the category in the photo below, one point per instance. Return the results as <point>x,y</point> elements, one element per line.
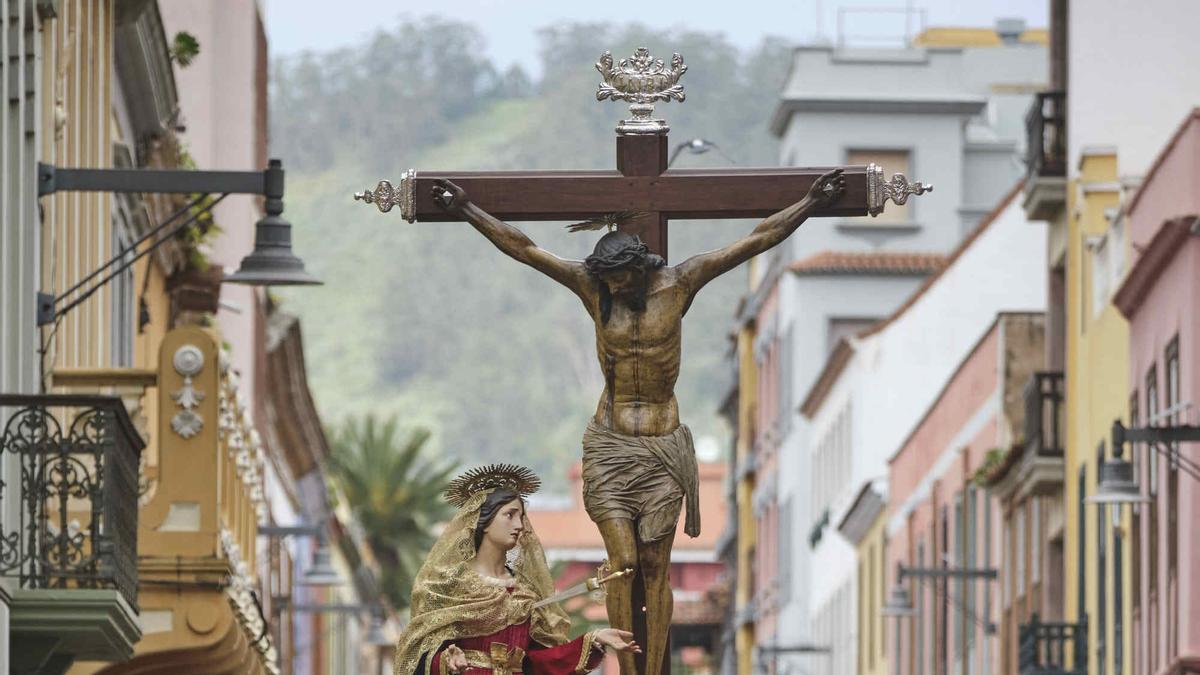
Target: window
<point>1019,528</point>
<point>868,593</point>
<point>972,585</point>
<point>785,551</point>
<point>1171,360</point>
<point>1101,576</point>
<point>893,162</point>
<point>1151,421</point>
<point>787,409</point>
<point>943,641</point>
<point>960,584</point>
<point>1118,606</point>
<point>1081,544</point>
<point>845,327</point>
<point>864,611</point>
<point>918,593</point>
<point>877,614</point>
<point>1007,553</point>
<point>1152,485</point>
<point>1035,540</point>
<point>1135,457</point>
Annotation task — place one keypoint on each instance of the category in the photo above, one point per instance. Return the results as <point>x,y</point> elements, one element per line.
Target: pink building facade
<point>941,515</point>
<point>1161,299</point>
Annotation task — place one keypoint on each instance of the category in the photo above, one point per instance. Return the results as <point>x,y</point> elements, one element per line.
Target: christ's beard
<point>635,300</point>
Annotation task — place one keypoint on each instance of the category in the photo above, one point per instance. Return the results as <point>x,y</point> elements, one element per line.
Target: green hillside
<point>428,320</point>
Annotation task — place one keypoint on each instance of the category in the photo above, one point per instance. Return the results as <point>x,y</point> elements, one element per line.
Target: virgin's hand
<point>455,660</point>
<point>448,195</point>
<point>620,640</point>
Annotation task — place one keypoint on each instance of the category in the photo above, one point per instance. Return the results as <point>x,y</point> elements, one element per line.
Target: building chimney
<point>1010,30</point>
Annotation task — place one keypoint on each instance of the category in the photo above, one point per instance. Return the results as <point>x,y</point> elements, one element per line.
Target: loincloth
<point>642,478</point>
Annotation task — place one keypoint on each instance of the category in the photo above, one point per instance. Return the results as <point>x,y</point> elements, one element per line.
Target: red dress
<point>574,657</point>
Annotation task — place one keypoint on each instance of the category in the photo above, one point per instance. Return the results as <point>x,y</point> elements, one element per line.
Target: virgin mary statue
<point>473,600</point>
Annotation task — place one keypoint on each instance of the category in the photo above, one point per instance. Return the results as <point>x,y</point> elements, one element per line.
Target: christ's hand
<point>827,188</point>
<point>449,196</point>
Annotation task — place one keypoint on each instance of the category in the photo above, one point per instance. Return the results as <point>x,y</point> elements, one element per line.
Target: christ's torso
<point>639,355</point>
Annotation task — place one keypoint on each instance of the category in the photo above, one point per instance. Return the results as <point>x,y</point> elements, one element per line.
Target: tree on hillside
<point>395,493</point>
<point>428,320</point>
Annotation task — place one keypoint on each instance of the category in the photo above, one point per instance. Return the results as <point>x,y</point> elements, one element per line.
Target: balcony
<point>1046,155</point>
<point>1040,470</point>
<point>68,531</point>
<point>1044,647</point>
<point>1044,414</point>
<point>1035,466</point>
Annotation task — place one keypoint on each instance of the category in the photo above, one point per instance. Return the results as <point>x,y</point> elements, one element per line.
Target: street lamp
<point>1116,484</point>
<point>321,571</point>
<point>375,635</point>
<point>272,263</point>
<point>899,605</point>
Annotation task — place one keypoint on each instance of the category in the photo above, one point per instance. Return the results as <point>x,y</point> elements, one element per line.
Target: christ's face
<point>625,283</point>
<point>506,527</point>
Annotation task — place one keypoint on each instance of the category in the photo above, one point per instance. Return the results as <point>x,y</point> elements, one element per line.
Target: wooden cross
<point>641,182</point>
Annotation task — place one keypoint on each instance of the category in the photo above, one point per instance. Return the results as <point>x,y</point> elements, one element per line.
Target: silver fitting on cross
<point>641,80</point>
<point>897,189</point>
<point>385,196</point>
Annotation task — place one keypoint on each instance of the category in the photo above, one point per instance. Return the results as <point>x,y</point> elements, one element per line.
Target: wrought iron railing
<point>1044,647</point>
<point>74,524</point>
<point>1044,430</point>
<point>1046,129</point>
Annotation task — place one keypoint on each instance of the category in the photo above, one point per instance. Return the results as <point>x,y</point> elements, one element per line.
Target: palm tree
<point>395,493</point>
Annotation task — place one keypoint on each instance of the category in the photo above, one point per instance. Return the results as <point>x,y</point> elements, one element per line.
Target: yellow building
<point>737,545</point>
<point>1097,393</point>
<point>69,558</point>
<point>865,526</point>
<point>136,462</point>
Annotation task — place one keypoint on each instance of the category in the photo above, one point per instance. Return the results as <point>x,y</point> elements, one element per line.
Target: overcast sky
<point>509,25</point>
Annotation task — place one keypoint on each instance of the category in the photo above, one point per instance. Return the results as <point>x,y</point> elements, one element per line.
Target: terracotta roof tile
<point>870,262</point>
<point>837,361</point>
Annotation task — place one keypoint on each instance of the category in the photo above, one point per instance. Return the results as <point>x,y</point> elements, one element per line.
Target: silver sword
<point>587,586</point>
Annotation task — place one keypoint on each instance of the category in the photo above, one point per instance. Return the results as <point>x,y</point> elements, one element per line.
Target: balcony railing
<point>1046,129</point>
<point>1044,647</point>
<point>1044,410</point>
<point>74,524</point>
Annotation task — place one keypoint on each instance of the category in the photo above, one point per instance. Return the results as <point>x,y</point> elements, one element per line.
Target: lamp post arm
<point>52,179</point>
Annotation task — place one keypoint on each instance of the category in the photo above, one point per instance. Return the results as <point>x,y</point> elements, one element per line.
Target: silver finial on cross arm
<point>897,189</point>
<point>385,196</point>
<point>641,80</point>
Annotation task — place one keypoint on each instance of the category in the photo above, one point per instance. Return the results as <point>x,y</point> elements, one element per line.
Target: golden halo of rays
<point>515,477</point>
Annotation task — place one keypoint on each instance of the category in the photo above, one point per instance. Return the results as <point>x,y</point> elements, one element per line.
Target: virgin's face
<point>507,526</point>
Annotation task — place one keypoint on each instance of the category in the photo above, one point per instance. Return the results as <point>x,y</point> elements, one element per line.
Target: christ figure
<point>639,464</point>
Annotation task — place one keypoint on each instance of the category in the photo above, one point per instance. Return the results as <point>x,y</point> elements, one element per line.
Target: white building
<point>856,425</point>
<point>948,115</point>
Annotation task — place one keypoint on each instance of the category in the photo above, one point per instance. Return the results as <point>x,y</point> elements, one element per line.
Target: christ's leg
<point>620,539</point>
<point>655,560</point>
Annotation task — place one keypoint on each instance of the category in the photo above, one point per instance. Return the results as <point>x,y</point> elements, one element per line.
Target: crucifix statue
<point>639,466</point>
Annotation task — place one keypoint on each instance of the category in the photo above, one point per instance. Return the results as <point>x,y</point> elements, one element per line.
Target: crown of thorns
<point>510,476</point>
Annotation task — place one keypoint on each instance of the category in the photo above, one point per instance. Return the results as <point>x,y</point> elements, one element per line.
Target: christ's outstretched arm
<point>513,242</point>
<point>703,268</point>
